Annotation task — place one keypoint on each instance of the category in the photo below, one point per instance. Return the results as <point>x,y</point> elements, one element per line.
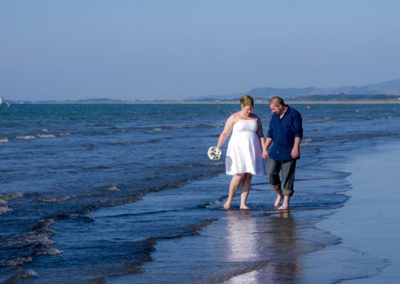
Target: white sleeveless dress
<point>244,149</point>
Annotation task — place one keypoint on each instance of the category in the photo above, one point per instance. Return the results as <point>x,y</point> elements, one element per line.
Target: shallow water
<point>118,191</point>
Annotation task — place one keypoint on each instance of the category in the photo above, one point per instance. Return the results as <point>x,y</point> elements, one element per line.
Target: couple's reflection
<point>270,240</point>
<point>285,263</point>
<point>241,237</point>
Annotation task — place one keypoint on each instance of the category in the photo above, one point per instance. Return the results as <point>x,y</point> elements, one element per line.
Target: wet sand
<point>368,223</point>
<point>315,242</point>
<point>262,245</point>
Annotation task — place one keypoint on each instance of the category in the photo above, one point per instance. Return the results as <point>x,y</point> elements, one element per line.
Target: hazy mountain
<point>388,87</point>
<point>383,88</point>
<point>345,97</point>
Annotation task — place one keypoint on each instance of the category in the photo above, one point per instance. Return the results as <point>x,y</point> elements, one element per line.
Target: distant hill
<point>388,90</point>
<point>344,97</point>
<point>388,87</point>
<point>383,88</point>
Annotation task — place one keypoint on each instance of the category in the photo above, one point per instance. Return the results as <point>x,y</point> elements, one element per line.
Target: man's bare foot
<point>244,207</point>
<point>227,205</point>
<point>284,206</point>
<point>278,200</point>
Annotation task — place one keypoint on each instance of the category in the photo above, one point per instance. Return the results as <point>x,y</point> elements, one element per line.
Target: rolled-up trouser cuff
<point>287,168</point>
<point>288,192</point>
<point>277,188</point>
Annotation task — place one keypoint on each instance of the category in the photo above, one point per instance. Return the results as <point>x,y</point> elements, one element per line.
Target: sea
<point>126,194</point>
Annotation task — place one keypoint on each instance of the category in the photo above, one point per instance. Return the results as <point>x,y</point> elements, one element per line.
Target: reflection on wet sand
<point>241,237</point>
<point>285,265</point>
<point>269,241</point>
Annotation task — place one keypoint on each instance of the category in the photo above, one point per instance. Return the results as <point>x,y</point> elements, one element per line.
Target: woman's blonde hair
<point>247,101</point>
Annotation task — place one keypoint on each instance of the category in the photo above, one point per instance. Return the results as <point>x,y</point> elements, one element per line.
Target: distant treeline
<point>335,97</point>
<point>345,97</point>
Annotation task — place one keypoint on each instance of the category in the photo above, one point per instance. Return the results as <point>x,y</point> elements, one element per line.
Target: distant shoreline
<point>294,102</point>
<point>185,102</point>
<point>347,102</point>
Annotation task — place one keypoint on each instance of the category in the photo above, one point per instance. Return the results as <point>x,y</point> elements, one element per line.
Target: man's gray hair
<point>277,101</point>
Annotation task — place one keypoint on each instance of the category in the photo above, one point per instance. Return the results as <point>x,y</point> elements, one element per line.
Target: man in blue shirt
<point>283,145</point>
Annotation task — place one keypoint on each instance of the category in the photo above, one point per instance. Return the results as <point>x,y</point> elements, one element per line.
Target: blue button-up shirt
<point>282,131</point>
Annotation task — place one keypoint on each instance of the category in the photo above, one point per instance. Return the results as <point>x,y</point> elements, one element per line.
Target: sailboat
<point>3,103</point>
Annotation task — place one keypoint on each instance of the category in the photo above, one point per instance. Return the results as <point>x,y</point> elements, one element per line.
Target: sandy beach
<point>350,244</point>
<point>376,198</point>
<point>171,226</point>
<point>368,223</point>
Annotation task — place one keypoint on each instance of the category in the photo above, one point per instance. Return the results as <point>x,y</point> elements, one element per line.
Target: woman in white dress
<point>244,154</point>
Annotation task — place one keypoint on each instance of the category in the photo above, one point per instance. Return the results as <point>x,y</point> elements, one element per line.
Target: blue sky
<point>146,49</point>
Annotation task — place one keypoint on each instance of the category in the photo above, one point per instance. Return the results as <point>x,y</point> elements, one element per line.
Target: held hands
<point>264,154</point>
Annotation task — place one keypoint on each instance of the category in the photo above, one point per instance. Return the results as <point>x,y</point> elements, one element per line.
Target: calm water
<point>89,191</point>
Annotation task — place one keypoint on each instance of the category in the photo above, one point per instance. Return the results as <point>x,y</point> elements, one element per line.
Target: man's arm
<point>298,126</point>
<point>267,142</point>
<point>296,148</point>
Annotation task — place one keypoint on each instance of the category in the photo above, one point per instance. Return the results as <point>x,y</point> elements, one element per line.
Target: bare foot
<point>284,206</point>
<point>244,207</point>
<point>278,200</point>
<point>227,205</point>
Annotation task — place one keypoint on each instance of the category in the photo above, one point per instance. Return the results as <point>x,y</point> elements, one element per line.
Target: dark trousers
<point>287,168</point>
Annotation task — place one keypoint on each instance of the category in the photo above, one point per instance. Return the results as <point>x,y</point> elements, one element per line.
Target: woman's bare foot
<point>278,200</point>
<point>244,207</point>
<point>227,205</point>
